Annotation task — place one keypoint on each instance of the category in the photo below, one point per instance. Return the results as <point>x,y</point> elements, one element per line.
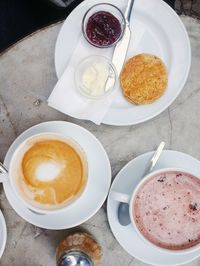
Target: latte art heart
<point>48,171</point>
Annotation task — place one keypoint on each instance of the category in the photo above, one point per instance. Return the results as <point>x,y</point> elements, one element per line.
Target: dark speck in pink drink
<point>166,210</point>
<point>103,29</point>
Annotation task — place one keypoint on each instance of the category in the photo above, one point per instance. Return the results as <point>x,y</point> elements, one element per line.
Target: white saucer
<point>156,29</point>
<point>125,182</point>
<point>98,182</point>
<point>3,234</point>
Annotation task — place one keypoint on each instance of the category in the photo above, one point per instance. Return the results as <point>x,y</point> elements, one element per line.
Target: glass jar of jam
<point>103,25</point>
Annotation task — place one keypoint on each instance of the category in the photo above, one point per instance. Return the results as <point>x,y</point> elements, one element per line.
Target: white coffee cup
<point>9,175</point>
<point>126,198</point>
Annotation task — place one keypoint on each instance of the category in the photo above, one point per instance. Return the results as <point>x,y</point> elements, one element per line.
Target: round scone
<point>143,79</point>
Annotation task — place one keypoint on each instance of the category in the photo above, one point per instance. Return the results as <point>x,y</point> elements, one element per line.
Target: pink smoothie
<point>166,210</point>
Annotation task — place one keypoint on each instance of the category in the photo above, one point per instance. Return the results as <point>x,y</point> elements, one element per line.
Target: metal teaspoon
<point>123,209</point>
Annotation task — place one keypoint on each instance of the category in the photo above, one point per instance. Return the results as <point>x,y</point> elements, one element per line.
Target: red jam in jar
<point>103,29</point>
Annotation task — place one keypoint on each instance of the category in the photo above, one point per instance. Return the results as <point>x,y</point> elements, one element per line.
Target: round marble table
<point>27,76</point>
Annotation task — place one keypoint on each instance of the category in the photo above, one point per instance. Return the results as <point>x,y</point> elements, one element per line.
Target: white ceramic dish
<point>3,234</point>
<point>163,35</point>
<point>98,181</point>
<point>125,182</point>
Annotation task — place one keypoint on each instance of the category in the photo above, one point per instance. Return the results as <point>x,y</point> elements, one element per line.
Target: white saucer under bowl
<point>156,29</point>
<point>3,234</point>
<point>125,182</point>
<point>99,178</point>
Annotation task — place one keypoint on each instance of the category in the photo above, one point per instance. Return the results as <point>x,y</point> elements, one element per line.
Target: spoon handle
<point>155,157</point>
<point>3,169</point>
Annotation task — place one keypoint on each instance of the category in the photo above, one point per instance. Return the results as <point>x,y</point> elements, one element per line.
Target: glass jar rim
<point>109,63</point>
<point>123,25</point>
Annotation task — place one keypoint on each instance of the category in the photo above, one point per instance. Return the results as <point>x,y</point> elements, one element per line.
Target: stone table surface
<point>27,75</point>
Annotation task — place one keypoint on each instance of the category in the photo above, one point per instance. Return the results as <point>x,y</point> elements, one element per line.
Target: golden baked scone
<point>143,79</point>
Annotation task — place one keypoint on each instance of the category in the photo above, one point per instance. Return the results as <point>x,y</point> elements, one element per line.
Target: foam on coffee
<point>48,171</point>
<point>51,171</point>
<point>166,209</point>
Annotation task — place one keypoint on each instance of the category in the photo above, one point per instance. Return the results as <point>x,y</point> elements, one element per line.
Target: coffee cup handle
<point>120,197</point>
<point>3,173</point>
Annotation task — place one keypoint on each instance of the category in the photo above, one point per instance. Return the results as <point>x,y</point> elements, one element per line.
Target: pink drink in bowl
<point>165,210</point>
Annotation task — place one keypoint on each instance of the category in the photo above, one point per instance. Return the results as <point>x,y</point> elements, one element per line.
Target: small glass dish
<point>100,85</point>
<point>104,7</point>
